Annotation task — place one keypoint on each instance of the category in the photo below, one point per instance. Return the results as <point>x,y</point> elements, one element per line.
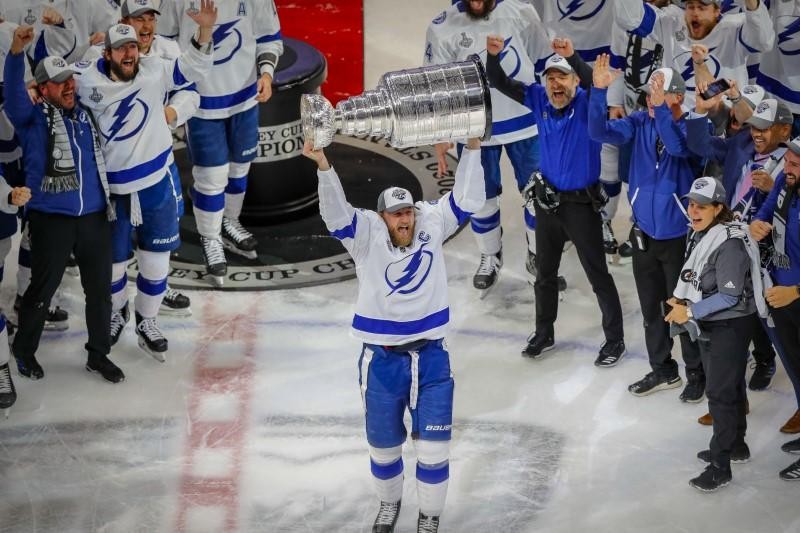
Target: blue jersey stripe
<point>777,88</point>
<point>645,28</point>
<point>228,100</point>
<point>459,213</point>
<point>139,171</point>
<point>392,327</point>
<point>269,38</point>
<point>513,124</point>
<point>347,232</point>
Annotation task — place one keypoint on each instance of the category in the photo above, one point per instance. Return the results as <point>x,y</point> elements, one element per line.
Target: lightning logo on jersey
<point>221,35</point>
<point>579,9</point>
<point>127,107</point>
<point>789,35</point>
<point>408,274</point>
<point>712,63</point>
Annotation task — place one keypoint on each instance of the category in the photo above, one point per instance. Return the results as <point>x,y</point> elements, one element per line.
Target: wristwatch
<point>689,312</point>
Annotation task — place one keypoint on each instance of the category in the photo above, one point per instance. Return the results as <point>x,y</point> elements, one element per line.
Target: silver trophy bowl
<point>412,107</point>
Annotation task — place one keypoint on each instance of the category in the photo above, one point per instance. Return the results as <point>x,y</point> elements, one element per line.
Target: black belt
<point>412,346</point>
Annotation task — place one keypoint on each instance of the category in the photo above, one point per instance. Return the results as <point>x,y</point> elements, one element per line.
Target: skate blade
<point>177,313</point>
<point>217,281</point>
<point>158,356</point>
<point>73,271</point>
<point>228,245</point>
<point>485,292</point>
<point>56,326</point>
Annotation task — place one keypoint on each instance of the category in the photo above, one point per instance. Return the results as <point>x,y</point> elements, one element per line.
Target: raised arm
<point>18,105</point>
<point>601,129</point>
<point>497,77</point>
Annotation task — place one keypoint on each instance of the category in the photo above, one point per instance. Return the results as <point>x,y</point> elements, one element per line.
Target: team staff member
<point>718,291</point>
<point>401,315</point>
<point>561,111</point>
<point>661,170</point>
<point>69,210</point>
<point>780,215</point>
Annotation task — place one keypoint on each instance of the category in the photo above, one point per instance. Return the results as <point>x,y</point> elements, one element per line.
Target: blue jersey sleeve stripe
<point>228,100</point>
<point>269,38</point>
<point>139,171</point>
<point>747,46</point>
<point>347,232</point>
<point>645,28</point>
<point>773,86</point>
<point>391,327</point>
<point>591,54</point>
<point>389,471</point>
<point>178,78</point>
<point>513,124</point>
<point>459,213</point>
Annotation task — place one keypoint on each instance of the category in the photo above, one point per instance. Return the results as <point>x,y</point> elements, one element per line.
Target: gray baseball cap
<point>793,145</point>
<point>120,34</point>
<point>769,112</point>
<point>559,63</point>
<point>52,68</point>
<point>394,199</point>
<point>134,8</point>
<point>706,190</point>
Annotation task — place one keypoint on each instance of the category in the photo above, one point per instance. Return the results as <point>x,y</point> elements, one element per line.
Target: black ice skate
<point>118,321</point>
<point>610,244</point>
<point>387,517</point>
<point>488,270</point>
<point>237,239</point>
<point>151,340</point>
<point>8,394</point>
<point>57,319</point>
<point>427,524</point>
<point>175,304</point>
<point>214,257</point>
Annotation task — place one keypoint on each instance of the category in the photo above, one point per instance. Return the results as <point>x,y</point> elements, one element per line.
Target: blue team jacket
<point>655,184</point>
<point>570,159</point>
<point>30,124</point>
<point>783,276</point>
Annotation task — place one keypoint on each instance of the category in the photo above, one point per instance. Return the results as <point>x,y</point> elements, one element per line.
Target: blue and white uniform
<point>454,36</point>
<point>401,315</point>
<point>223,135</point>
<point>137,145</point>
<point>587,23</point>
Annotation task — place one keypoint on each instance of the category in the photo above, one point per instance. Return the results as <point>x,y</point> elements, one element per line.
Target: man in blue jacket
<point>780,216</point>
<point>568,193</point>
<point>69,209</point>
<point>661,171</point>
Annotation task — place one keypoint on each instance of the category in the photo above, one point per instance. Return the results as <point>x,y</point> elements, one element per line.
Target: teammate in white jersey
<point>401,315</point>
<point>126,96</point>
<point>454,35</point>
<point>223,136</point>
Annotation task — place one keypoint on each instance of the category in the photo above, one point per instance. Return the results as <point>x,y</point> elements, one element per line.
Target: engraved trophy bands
<point>408,108</point>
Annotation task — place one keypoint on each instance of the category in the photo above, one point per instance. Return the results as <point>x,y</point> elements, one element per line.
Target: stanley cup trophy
<point>408,108</point>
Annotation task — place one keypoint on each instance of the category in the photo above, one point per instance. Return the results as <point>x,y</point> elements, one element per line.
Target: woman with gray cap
<point>719,289</point>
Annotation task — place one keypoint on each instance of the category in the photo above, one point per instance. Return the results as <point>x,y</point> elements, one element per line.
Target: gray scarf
<point>60,174</point>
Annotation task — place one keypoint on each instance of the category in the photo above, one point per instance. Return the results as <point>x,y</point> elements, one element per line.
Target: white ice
<point>254,423</point>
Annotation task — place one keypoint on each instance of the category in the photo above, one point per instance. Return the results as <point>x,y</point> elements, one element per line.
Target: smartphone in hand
<point>714,88</point>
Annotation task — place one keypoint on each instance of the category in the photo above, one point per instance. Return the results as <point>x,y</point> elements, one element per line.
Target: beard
<point>795,183</point>
<point>121,75</point>
<point>569,94</point>
<point>402,240</point>
<point>483,13</point>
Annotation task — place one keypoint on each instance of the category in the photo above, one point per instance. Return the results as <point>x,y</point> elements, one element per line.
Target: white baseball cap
<point>133,8</point>
<point>793,145</point>
<point>559,63</point>
<point>769,112</point>
<point>120,34</point>
<point>673,82</point>
<point>394,199</point>
<point>752,94</point>
<point>706,190</point>
<point>52,68</point>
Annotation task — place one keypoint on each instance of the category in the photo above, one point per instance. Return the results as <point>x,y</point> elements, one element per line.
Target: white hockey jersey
<point>245,30</point>
<point>185,101</point>
<point>10,149</point>
<point>586,22</point>
<point>454,36</point>
<point>779,69</point>
<point>137,143</point>
<point>732,40</point>
<point>637,57</point>
<point>402,292</point>
<point>69,39</point>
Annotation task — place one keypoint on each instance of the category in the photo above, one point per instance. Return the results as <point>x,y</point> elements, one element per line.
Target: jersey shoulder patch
<point>441,18</point>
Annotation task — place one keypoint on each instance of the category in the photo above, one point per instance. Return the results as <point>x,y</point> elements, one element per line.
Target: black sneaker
<point>625,250</point>
<point>214,257</point>
<point>118,321</point>
<point>151,340</point>
<point>537,344</point>
<point>711,479</point>
<point>104,367</point>
<point>237,239</point>
<point>427,524</point>
<point>793,446</point>
<point>387,517</point>
<point>8,393</point>
<point>29,367</point>
<point>762,375</point>
<point>610,244</point>
<point>175,303</point>
<point>652,383</point>
<point>610,354</point>
<point>739,454</point>
<point>695,388</point>
<point>488,271</point>
<point>791,472</point>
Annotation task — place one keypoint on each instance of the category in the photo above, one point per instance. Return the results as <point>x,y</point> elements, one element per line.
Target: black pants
<point>762,344</point>
<point>656,272</point>
<point>578,222</point>
<point>725,360</point>
<point>53,238</point>
<point>787,326</point>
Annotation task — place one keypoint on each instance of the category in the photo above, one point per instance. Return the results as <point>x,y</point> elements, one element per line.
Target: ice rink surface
<point>254,423</point>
